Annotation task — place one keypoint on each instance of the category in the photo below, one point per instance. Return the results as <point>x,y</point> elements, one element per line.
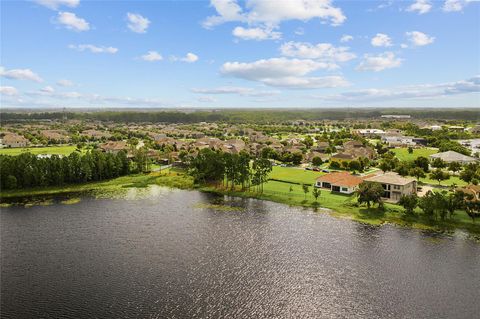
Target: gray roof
<point>390,178</point>
<point>451,156</point>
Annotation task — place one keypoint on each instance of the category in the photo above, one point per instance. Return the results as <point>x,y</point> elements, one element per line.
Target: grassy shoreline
<point>276,190</point>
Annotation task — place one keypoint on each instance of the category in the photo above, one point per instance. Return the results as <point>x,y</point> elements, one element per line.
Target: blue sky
<point>227,53</point>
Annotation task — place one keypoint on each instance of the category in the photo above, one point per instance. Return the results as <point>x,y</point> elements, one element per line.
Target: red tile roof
<point>341,179</point>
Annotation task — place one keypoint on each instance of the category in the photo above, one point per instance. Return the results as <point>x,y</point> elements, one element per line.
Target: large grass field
<point>59,150</point>
<point>294,175</point>
<point>403,155</point>
<point>449,182</point>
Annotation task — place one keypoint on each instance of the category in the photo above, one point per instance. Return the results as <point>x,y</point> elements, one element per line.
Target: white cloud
<point>152,56</point>
<point>93,48</point>
<point>283,72</point>
<point>386,60</point>
<point>55,4</point>
<point>257,34</point>
<point>20,74</point>
<point>189,58</point>
<point>418,38</point>
<point>47,89</point>
<point>471,85</point>
<point>346,38</point>
<point>65,83</point>
<point>420,6</point>
<point>299,31</point>
<point>320,51</point>
<point>137,23</point>
<point>244,91</point>
<point>8,90</point>
<point>72,22</point>
<point>381,40</point>
<point>272,13</point>
<point>206,99</point>
<point>455,5</point>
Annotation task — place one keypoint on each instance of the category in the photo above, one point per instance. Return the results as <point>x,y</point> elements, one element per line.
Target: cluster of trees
<point>27,170</point>
<point>355,165</point>
<point>442,205</point>
<point>217,167</point>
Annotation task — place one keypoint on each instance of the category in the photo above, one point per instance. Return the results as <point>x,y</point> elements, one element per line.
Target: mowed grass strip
<point>59,150</point>
<point>403,155</point>
<point>294,175</point>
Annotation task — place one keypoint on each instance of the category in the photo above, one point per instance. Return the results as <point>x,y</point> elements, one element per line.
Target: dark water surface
<point>171,256</point>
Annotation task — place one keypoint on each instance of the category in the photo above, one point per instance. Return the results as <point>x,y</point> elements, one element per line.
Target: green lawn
<point>60,150</point>
<point>294,175</point>
<point>403,155</point>
<point>449,182</point>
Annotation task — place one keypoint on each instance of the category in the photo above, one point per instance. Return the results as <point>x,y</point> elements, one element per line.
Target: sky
<point>239,54</point>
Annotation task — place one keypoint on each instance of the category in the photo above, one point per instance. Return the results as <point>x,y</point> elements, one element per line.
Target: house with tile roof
<point>342,182</point>
<point>394,185</point>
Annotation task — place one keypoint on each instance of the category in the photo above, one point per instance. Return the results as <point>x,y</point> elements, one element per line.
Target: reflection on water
<point>183,254</point>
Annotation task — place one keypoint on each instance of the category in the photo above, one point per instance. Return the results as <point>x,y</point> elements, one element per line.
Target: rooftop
<point>390,178</point>
<point>341,179</point>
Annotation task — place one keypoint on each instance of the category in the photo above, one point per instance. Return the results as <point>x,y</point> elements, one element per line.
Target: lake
<point>186,254</point>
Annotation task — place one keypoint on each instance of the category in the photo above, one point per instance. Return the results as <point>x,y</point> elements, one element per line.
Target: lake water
<point>174,255</point>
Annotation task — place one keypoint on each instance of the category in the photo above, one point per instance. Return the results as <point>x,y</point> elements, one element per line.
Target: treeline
<point>244,116</point>
<point>27,170</point>
<point>216,167</point>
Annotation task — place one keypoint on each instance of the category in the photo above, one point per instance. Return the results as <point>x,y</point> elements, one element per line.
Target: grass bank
<point>59,150</point>
<point>284,189</point>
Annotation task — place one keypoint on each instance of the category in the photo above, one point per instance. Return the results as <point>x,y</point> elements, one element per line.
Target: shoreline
<point>341,207</point>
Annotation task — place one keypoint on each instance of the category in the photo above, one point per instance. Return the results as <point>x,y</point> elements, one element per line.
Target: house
<point>472,190</point>
<point>321,147</point>
<point>342,182</point>
<point>356,150</point>
<point>399,141</point>
<point>371,132</point>
<point>13,140</point>
<point>451,156</point>
<point>394,185</point>
<point>114,147</point>
<point>56,135</point>
<point>96,135</point>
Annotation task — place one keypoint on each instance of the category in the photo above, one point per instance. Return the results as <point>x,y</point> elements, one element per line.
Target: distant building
<point>370,132</point>
<point>394,116</point>
<point>451,156</point>
<point>342,182</point>
<point>13,140</point>
<point>114,147</point>
<point>399,141</point>
<point>394,185</point>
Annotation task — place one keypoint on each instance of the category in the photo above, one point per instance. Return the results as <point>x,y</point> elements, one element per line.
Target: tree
<point>355,166</point>
<point>261,167</point>
<point>305,189</point>
<point>317,161</point>
<point>308,141</point>
<point>438,163</point>
<point>410,150</point>
<point>427,204</point>
<point>409,202</point>
<point>417,172</point>
<point>439,175</point>
<point>370,192</point>
<point>403,169</point>
<point>454,167</point>
<point>422,162</point>
<point>316,193</point>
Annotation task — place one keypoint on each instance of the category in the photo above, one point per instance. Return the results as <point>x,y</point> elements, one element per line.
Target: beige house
<point>13,140</point>
<point>395,186</point>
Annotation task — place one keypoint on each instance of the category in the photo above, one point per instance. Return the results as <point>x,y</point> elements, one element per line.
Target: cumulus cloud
<point>420,6</point>
<point>386,60</point>
<point>152,56</point>
<point>72,22</point>
<point>418,38</point>
<point>47,89</point>
<point>65,83</point>
<point>189,58</point>
<point>346,38</point>
<point>257,34</point>
<point>471,85</point>
<point>381,40</point>
<point>93,48</point>
<point>238,90</point>
<point>283,72</point>
<point>55,4</point>
<point>8,90</point>
<point>20,74</point>
<point>320,51</point>
<point>272,13</point>
<point>137,23</point>
<point>455,5</point>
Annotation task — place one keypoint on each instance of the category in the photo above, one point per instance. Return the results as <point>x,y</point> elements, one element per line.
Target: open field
<point>294,175</point>
<point>59,150</point>
<point>403,155</point>
<point>449,182</point>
